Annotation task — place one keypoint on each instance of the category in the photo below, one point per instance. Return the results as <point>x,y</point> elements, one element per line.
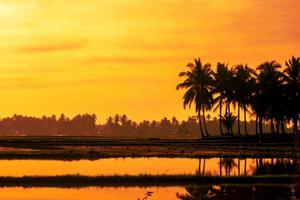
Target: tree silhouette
<point>292,79</point>
<point>244,81</point>
<point>199,85</point>
<point>269,85</point>
<point>220,87</point>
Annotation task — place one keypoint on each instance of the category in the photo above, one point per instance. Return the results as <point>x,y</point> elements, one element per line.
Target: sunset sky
<point>124,56</point>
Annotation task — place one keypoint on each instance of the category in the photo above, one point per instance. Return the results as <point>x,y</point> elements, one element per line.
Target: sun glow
<point>108,57</point>
<point>7,9</point>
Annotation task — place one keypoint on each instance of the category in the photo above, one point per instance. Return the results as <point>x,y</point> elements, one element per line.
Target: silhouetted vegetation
<point>117,126</point>
<point>269,93</point>
<point>24,125</point>
<point>277,166</point>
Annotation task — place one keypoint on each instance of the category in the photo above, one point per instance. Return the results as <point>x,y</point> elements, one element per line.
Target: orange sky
<point>116,56</point>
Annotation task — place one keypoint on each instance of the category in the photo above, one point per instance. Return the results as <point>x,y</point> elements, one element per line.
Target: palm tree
<point>292,80</point>
<point>198,83</point>
<point>220,84</point>
<point>269,82</point>
<point>244,81</point>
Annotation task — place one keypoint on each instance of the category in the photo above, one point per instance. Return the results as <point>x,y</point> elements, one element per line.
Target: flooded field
<point>214,192</point>
<point>137,166</point>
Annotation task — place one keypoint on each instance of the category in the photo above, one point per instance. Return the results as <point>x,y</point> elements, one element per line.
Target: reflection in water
<point>91,193</point>
<point>153,166</point>
<point>228,164</point>
<point>264,192</point>
<point>277,166</point>
<point>211,192</point>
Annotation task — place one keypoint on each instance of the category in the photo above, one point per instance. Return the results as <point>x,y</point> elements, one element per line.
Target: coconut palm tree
<point>258,107</point>
<point>220,84</point>
<point>269,82</point>
<point>244,81</point>
<point>198,85</point>
<point>292,80</point>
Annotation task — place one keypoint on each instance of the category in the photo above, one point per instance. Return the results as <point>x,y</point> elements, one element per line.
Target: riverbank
<point>76,148</point>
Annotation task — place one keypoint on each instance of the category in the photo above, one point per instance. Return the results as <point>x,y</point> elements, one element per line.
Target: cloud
<point>52,47</point>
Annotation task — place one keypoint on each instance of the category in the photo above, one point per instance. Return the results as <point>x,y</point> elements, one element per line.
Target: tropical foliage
<point>270,93</point>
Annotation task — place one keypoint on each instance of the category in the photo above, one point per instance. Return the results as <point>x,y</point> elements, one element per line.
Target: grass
<point>141,180</point>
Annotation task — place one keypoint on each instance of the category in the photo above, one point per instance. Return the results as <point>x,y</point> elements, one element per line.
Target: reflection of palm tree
<point>201,169</point>
<point>220,164</point>
<point>198,83</point>
<point>228,164</point>
<point>238,192</point>
<point>280,166</point>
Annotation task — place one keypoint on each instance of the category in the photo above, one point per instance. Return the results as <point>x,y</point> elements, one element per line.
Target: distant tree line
<point>26,125</point>
<point>122,126</point>
<point>270,93</point>
<point>116,126</point>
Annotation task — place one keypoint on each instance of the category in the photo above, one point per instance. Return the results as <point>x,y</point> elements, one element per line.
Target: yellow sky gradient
<point>115,56</point>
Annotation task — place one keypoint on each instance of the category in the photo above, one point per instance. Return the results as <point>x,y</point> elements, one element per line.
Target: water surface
<point>136,166</point>
<point>122,166</point>
<point>213,192</point>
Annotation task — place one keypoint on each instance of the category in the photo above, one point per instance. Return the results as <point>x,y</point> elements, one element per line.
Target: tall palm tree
<point>223,86</point>
<point>220,84</point>
<point>198,85</point>
<point>269,82</point>
<point>292,80</point>
<point>244,81</point>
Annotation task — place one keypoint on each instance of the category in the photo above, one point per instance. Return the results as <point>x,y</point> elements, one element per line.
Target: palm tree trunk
<point>256,127</point>
<point>277,127</point>
<point>272,161</point>
<point>295,125</point>
<point>239,167</point>
<point>245,120</point>
<point>282,127</point>
<point>220,166</point>
<point>200,125</point>
<point>199,167</point>
<point>204,121</point>
<point>221,129</point>
<point>203,171</point>
<point>272,126</point>
<point>245,167</point>
<point>228,105</point>
<point>239,121</point>
<point>260,126</point>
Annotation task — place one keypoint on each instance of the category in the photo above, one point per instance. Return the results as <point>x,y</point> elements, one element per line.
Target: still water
<point>136,166</point>
<point>213,192</point>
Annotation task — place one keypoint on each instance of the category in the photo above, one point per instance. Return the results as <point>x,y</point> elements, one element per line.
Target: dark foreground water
<point>213,192</point>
